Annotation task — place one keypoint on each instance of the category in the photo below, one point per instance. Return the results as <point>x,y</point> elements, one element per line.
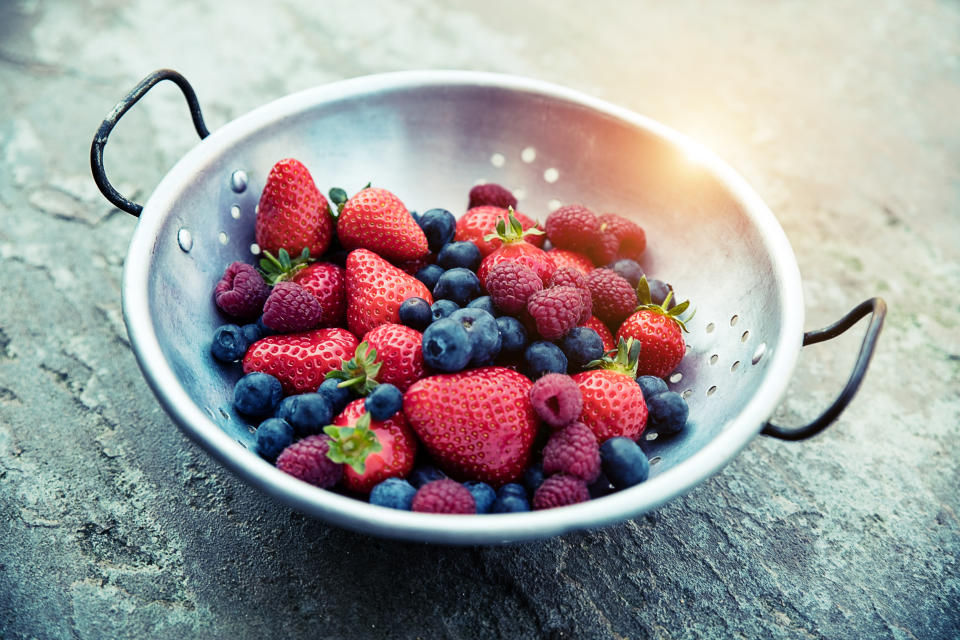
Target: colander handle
<point>100,139</point>
<point>877,309</point>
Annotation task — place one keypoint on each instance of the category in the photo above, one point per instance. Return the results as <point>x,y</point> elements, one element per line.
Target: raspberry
<point>604,249</point>
<point>491,194</point>
<point>573,227</point>
<point>444,496</point>
<point>556,399</point>
<point>579,261</point>
<point>291,308</point>
<point>572,277</point>
<point>573,450</point>
<point>510,284</point>
<point>613,297</point>
<point>631,237</point>
<point>307,460</point>
<point>241,291</point>
<point>559,490</point>
<point>555,311</point>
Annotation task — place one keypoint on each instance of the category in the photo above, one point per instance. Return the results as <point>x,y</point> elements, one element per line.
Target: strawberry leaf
<point>359,373</point>
<point>352,445</point>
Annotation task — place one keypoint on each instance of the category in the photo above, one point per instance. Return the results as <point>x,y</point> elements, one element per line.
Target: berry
<point>459,254</point>
<point>573,450</point>
<point>377,220</point>
<point>459,285</point>
<point>479,222</point>
<point>510,285</point>
<point>375,291</point>
<point>658,291</point>
<point>384,401</point>
<point>668,413</point>
<point>442,309</point>
<point>395,493</point>
<point>651,386</point>
<point>568,277</point>
<point>241,291</point>
<point>613,403</point>
<point>628,269</point>
<point>273,436</point>
<point>229,343</point>
<point>251,332</point>
<point>510,504</point>
<point>516,248</point>
<point>399,353</point>
<point>609,344</point>
<point>604,248</point>
<point>581,346</point>
<point>555,311</point>
<point>422,475</point>
<point>412,267</point>
<point>513,335</point>
<point>491,194</point>
<point>484,303</point>
<point>371,450</point>
<point>415,313</point>
<point>541,358</point>
<point>613,297</point>
<point>438,226</point>
<point>444,496</point>
<point>572,227</point>
<point>446,346</point>
<point>560,490</point>
<point>291,308</point>
<point>300,361</point>
<point>483,495</point>
<point>658,330</point>
<point>579,261</point>
<point>600,487</point>
<point>337,396</point>
<point>533,477</point>
<point>307,413</point>
<point>307,460</point>
<point>483,333</point>
<point>264,329</point>
<point>257,394</point>
<point>556,399</point>
<point>292,214</point>
<point>624,462</point>
<point>429,275</point>
<point>631,239</point>
<point>512,489</point>
<point>327,282</point>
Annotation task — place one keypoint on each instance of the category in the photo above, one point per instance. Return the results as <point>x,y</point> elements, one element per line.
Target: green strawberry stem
<point>359,372</point>
<point>352,445</point>
<point>513,233</point>
<point>338,197</point>
<point>278,268</point>
<point>675,312</point>
<point>623,359</point>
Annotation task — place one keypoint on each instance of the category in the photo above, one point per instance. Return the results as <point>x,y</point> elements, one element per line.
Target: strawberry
<point>377,220</point>
<point>613,403</point>
<point>398,349</point>
<point>595,323</point>
<point>300,360</point>
<point>515,248</point>
<point>327,282</point>
<point>564,258</point>
<point>375,291</point>
<point>658,330</point>
<point>479,222</point>
<point>371,451</point>
<point>477,425</point>
<point>292,214</point>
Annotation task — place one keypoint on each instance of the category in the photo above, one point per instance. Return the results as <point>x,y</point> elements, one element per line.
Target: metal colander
<point>429,137</point>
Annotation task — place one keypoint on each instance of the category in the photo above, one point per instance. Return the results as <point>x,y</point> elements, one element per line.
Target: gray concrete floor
<point>842,115</point>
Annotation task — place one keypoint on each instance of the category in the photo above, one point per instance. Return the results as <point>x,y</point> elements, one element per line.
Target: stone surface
<point>843,116</point>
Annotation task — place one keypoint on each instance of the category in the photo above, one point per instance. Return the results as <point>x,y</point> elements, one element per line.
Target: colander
<point>429,136</point>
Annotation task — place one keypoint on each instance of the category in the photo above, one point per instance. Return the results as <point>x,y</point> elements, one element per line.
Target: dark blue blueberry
<point>600,487</point>
<point>229,344</point>
<point>307,413</point>
<point>257,394</point>
<point>272,437</point>
<point>252,332</point>
<point>465,255</point>
<point>442,309</point>
<point>659,291</point>
<point>513,335</point>
<point>446,346</point>
<point>512,489</point>
<point>459,284</point>
<point>582,345</point>
<point>651,386</point>
<point>483,495</point>
<point>484,335</point>
<point>429,275</point>
<point>415,216</point>
<point>384,401</point>
<point>416,313</point>
<point>422,475</point>
<point>533,477</point>
<point>485,303</point>
<point>264,329</point>
<point>668,413</point>
<point>629,269</point>
<point>543,357</point>
<point>338,397</point>
<point>624,462</point>
<point>510,504</point>
<point>395,493</point>
<point>439,226</point>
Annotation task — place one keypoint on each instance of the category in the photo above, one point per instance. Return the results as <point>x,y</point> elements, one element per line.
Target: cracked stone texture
<point>842,115</point>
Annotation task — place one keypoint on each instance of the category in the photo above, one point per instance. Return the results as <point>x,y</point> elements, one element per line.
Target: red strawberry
<point>515,248</point>
<point>371,451</point>
<point>613,403</point>
<point>292,213</point>
<point>377,220</point>
<point>399,353</point>
<point>658,330</point>
<point>300,360</point>
<point>327,282</point>
<point>609,344</point>
<point>631,239</point>
<point>478,222</point>
<point>477,424</point>
<point>579,261</point>
<point>375,291</point>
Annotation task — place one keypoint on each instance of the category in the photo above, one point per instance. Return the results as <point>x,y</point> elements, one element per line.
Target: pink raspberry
<point>613,297</point>
<point>630,236</point>
<point>444,496</point>
<point>559,490</point>
<point>491,195</point>
<point>555,311</point>
<point>604,249</point>
<point>291,308</point>
<point>573,277</point>
<point>510,284</point>
<point>573,227</point>
<point>573,450</point>
<point>307,460</point>
<point>241,291</point>
<point>556,399</point>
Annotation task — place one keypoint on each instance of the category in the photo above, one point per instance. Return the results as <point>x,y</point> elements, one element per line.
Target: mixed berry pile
<point>485,364</point>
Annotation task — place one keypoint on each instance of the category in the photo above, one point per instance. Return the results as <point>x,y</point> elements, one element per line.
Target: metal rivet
<point>185,239</point>
<point>238,181</point>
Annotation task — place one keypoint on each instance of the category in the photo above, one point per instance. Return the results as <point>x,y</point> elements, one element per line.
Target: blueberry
<point>439,226</point>
<point>533,477</point>
<point>484,335</point>
<point>483,495</point>
<point>422,475</point>
<point>459,284</point>
<point>337,396</point>
<point>513,335</point>
<point>600,487</point>
<point>257,394</point>
<point>511,498</point>
<point>628,269</point>
<point>485,303</point>
<point>395,493</point>
<point>651,386</point>
<point>465,255</point>
<point>582,345</point>
<point>229,343</point>
<point>446,346</point>
<point>668,413</point>
<point>659,291</point>
<point>443,308</point>
<point>384,401</point>
<point>307,413</point>
<point>624,462</point>
<point>415,216</point>
<point>272,437</point>
<point>264,329</point>
<point>514,489</point>
<point>429,275</point>
<point>416,313</point>
<point>252,332</point>
<point>543,357</point>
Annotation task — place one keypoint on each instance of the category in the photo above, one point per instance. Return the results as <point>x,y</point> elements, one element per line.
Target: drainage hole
<point>551,175</point>
<point>714,358</point>
<point>553,205</point>
<point>651,435</point>
<point>498,160</point>
<point>686,394</point>
<point>654,460</point>
<point>676,377</point>
<point>235,212</point>
<point>711,327</point>
<point>222,237</point>
<point>712,390</point>
<point>255,249</point>
<point>745,336</point>
<point>761,349</point>
<point>528,155</point>
<point>733,320</point>
<point>734,366</point>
